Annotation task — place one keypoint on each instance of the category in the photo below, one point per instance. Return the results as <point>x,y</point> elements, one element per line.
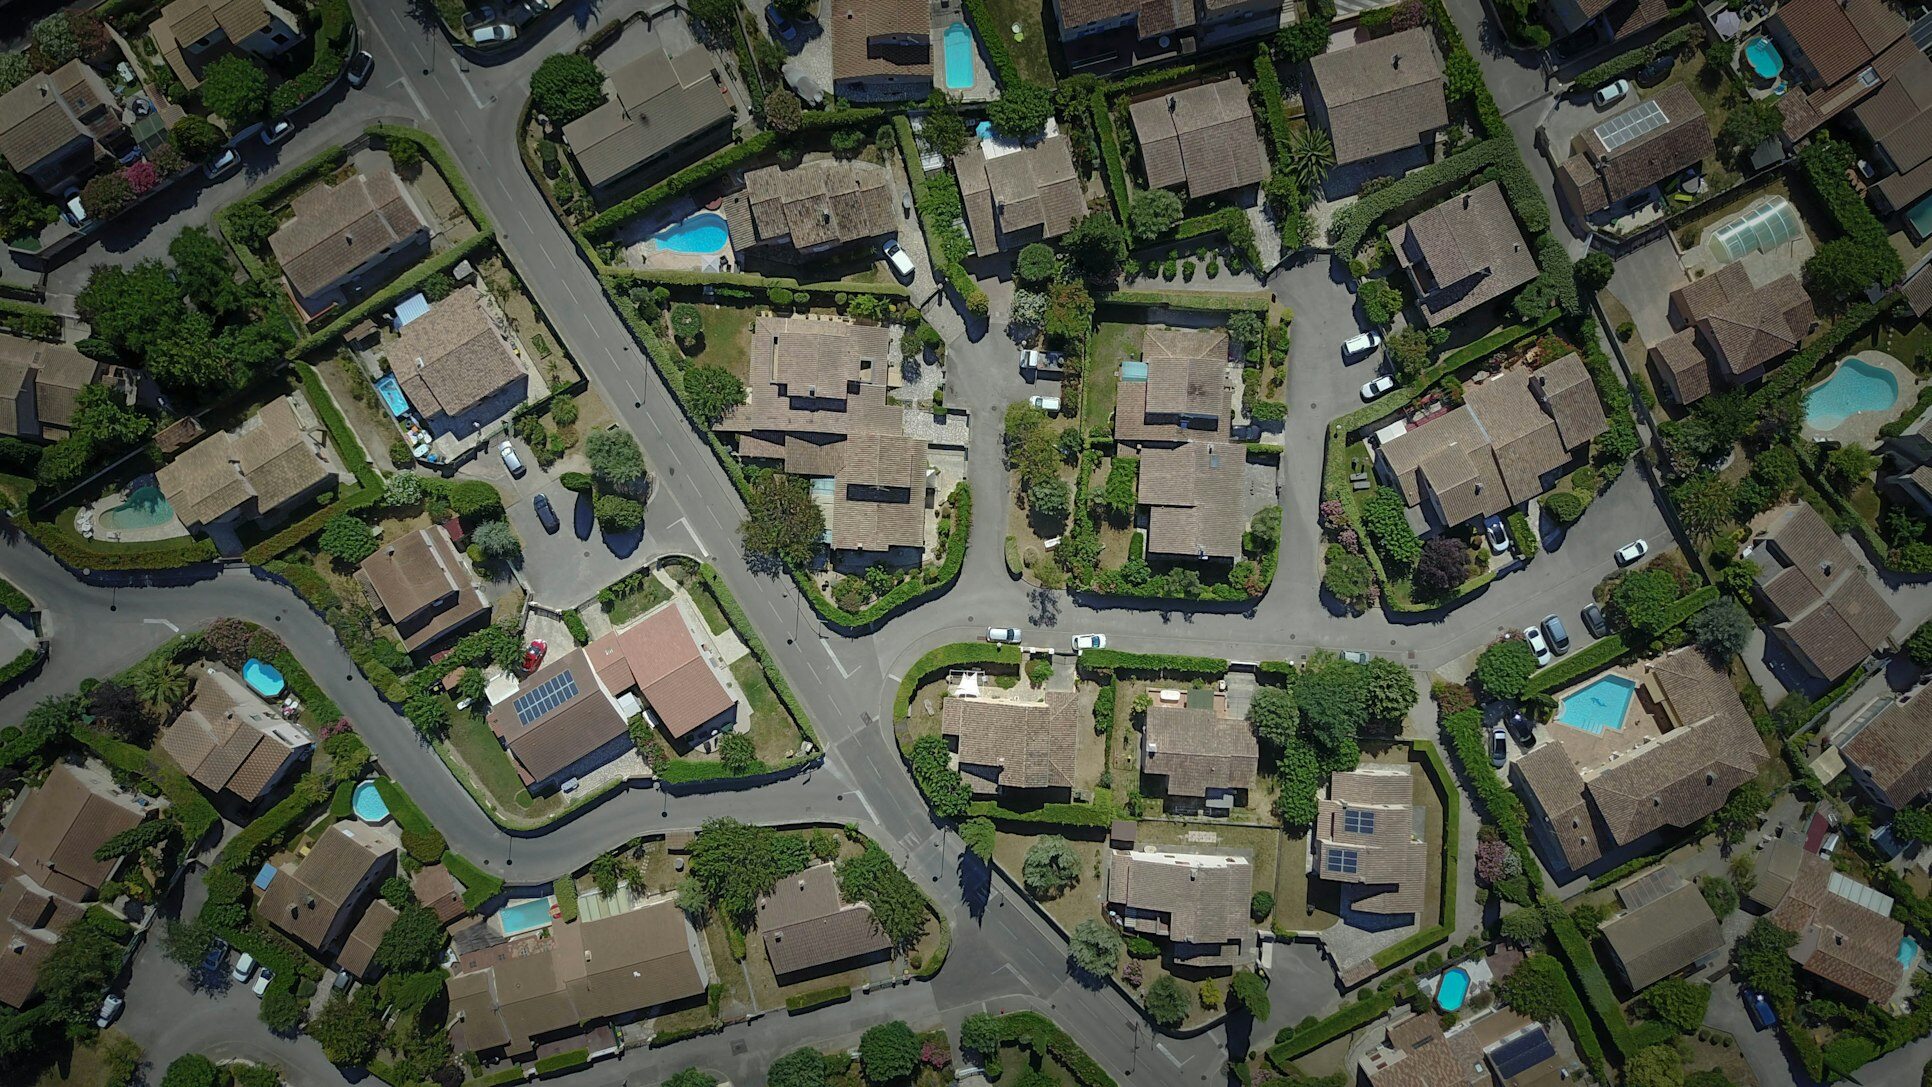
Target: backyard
<point>1029,51</point>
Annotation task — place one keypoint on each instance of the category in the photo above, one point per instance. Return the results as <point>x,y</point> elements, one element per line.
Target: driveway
<point>1645,277</point>
<point>569,566</point>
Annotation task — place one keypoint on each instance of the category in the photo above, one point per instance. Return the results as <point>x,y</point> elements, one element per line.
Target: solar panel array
<point>1344,862</point>
<point>1631,124</point>
<point>549,694</point>
<point>1522,1053</point>
<point>1358,821</point>
<point>1922,32</point>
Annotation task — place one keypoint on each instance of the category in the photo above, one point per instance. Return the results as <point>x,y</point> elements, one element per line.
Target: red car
<point>533,656</point>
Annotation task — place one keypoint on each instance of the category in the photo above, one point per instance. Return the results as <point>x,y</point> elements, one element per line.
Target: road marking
<point>163,622</point>
<point>474,97</point>
<point>836,662</point>
<point>869,813</point>
<point>659,431</point>
<point>1165,1052</point>
<point>413,96</point>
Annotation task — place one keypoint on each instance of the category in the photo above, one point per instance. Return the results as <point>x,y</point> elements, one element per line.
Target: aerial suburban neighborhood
<point>1019,543</point>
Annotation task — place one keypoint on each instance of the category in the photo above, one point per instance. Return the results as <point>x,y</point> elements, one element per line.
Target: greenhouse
<point>1769,224</point>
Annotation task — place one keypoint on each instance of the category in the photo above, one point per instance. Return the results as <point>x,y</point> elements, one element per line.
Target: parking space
<point>1645,277</point>
<point>569,566</point>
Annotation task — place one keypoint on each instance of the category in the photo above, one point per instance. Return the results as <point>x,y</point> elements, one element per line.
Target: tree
<point>1029,308</point>
<point>1505,667</point>
<point>1850,466</point>
<point>1536,988</point>
<point>1707,502</point>
<point>737,753</point>
<point>1656,1066</point>
<point>1913,824</point>
<point>1409,354</point>
<point>1021,111</point>
<point>1311,154</point>
<point>943,129</point>
<point>982,1033</point>
<point>1381,302</point>
<point>121,1060</point>
<point>1720,895</point>
<point>1721,628</point>
<point>1051,866</point>
<point>251,225</point>
<point>23,211</point>
<point>1038,264</point>
<point>130,306</point>
<point>1167,1002</point>
<point>203,270</point>
<point>615,513</point>
<point>54,42</point>
<point>566,86</point>
<point>196,138</point>
<point>615,458</point>
<point>1333,694</point>
<point>1644,599</point>
<point>1298,778</point>
<point>1565,506</point>
<point>784,112</point>
<point>783,520</point>
<point>281,1010</point>
<point>691,1077</point>
<point>1275,716</point>
<point>711,392</point>
<point>1248,992</point>
<point>347,539</point>
<point>348,1028</point>
<point>190,1070</point>
<point>738,863</point>
<point>1750,123</point>
<point>185,942</point>
<point>888,1052</point>
<point>15,69</point>
<point>414,941</point>
<point>1763,963</point>
<point>1841,269</point>
<point>235,89</point>
<point>1097,244</point>
<point>1525,927</point>
<point>1095,947</point>
<point>1153,214</point>
<point>1050,499</point>
<point>1392,691</point>
<point>121,712</point>
<point>161,682</point>
<point>1347,578</point>
<point>107,195</point>
<point>1442,567</point>
<point>802,1067</point>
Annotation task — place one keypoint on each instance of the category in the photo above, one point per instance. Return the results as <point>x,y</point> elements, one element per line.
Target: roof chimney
<point>1396,62</point>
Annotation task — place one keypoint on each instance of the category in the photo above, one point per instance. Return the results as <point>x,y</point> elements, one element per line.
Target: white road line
<point>658,430</point>
<point>164,623</point>
<point>474,97</point>
<point>844,673</point>
<point>1165,1052</point>
<point>421,109</point>
<point>869,813</point>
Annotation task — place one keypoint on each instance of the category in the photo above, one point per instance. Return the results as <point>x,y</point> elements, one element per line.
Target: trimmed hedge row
<point>1206,301</point>
<point>1606,651</point>
<point>1634,59</point>
<point>1477,350</point>
<point>1116,660</point>
<point>946,657</point>
<point>1031,1030</point>
<point>1291,1043</point>
<point>993,41</point>
<point>347,445</point>
<point>263,550</point>
<point>567,1061</point>
<point>478,886</point>
<point>929,580</point>
<point>20,665</point>
<point>677,184</point>
<point>1597,991</point>
<point>61,541</point>
<point>818,998</point>
<point>1095,814</point>
<point>1110,157</point>
<point>671,277</point>
<point>1274,110</point>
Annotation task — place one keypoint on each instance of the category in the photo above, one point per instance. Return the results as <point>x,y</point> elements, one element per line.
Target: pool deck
<point>1591,752</point>
<point>639,249</point>
<point>90,514</point>
<point>1862,428</point>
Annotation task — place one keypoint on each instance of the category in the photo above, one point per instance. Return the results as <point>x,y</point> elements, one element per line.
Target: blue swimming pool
<point>527,916</point>
<point>1855,387</point>
<point>1454,987</point>
<point>1764,58</point>
<point>959,57</point>
<point>145,507</point>
<point>392,395</point>
<point>704,232</point>
<point>368,803</point>
<point>1908,950</point>
<point>1599,706</point>
<point>264,678</point>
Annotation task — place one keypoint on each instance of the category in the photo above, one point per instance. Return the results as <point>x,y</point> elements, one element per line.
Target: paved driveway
<point>1645,277</point>
<point>568,567</point>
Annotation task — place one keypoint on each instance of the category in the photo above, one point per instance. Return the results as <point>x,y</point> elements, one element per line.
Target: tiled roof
<point>1829,613</point>
<point>1682,141</point>
<point>1419,1055</point>
<point>660,656</point>
<point>806,926</point>
<point>655,103</point>
<point>1839,37</point>
<point>1187,377</point>
<point>358,952</point>
<point>1546,774</point>
<point>194,20</point>
<point>1031,194</point>
<point>1382,95</point>
<point>306,899</point>
<point>1898,116</point>
<point>1202,136</point>
<point>438,890</point>
<point>1190,898</point>
<point>1151,16</point>
<point>1193,492</point>
<point>1843,941</point>
<point>58,826</point>
<point>1018,745</point>
<point>261,465</point>
<point>423,586</point>
<point>879,495</point>
<point>453,358</point>
<point>1747,325</point>
<point>1686,363</point>
<point>1895,751</point>
<point>53,114</point>
<point>568,731</point>
<point>39,383</point>
<point>336,228</point>
<point>1664,936</point>
<point>1366,832</point>
<point>637,959</point>
<point>1463,253</point>
<point>820,203</point>
<point>227,738</point>
<point>817,376</point>
<point>1197,750</point>
<point>1565,387</point>
<point>881,38</point>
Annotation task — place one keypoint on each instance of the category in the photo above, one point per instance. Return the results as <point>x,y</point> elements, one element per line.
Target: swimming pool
<point>145,507</point>
<point>1908,950</point>
<point>392,395</point>
<point>1454,987</point>
<point>1856,386</point>
<point>264,678</point>
<point>368,803</point>
<point>959,57</point>
<point>1764,58</point>
<point>527,916</point>
<point>704,232</point>
<point>1601,705</point>
<point>1133,370</point>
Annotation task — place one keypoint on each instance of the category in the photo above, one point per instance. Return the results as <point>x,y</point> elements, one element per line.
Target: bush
<point>1095,947</point>
<point>347,538</point>
<point>1261,905</point>
<point>1167,1002</point>
<point>888,1052</point>
<point>235,88</point>
<point>1038,264</point>
<point>1504,668</point>
<point>566,86</point>
<point>1051,866</point>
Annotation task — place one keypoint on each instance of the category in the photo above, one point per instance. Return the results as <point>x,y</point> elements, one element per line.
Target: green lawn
<point>714,616</point>
<point>1030,53</point>
<point>648,596</point>
<point>470,736</point>
<point>772,729</point>
<point>1110,344</point>
<point>727,339</point>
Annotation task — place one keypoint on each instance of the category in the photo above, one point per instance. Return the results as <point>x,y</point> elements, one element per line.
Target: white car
<point>493,34</point>
<point>244,967</point>
<point>110,1011</point>
<point>1048,404</point>
<point>261,981</point>
<point>223,164</point>
<point>510,459</point>
<point>1089,641</point>
<point>899,260</point>
<point>1003,635</point>
<point>1361,345</point>
<point>1631,552</point>
<point>275,132</point>
<point>1498,534</point>
<point>1538,646</point>
<point>1378,387</point>
<point>360,67</point>
<point>73,210</point>
<point>1611,93</point>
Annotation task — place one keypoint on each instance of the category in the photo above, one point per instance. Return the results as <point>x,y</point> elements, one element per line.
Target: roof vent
<point>310,899</point>
<point>1710,778</point>
<point>1396,61</point>
<point>1656,802</point>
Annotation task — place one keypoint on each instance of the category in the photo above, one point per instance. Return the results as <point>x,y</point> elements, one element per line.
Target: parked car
<point>212,959</point>
<point>493,34</point>
<point>223,164</point>
<point>1048,404</point>
<point>1761,1012</point>
<point>1498,534</point>
<point>479,16</point>
<point>244,968</point>
<point>1355,656</point>
<point>1361,345</point>
<point>533,655</point>
<point>360,67</point>
<point>1377,387</point>
<point>1522,728</point>
<point>276,131</point>
<point>1032,359</point>
<point>1611,93</point>
<point>1089,641</point>
<point>1594,622</point>
<point>1537,645</point>
<point>110,1011</point>
<point>781,24</point>
<point>1498,747</point>
<point>510,460</point>
<point>1003,635</point>
<point>1632,551</point>
<point>261,981</point>
<point>1655,72</point>
<point>899,260</point>
<point>546,516</point>
<point>1559,638</point>
<point>72,210</point>
<point>525,12</point>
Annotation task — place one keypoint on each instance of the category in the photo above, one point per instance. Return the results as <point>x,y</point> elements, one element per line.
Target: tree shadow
<point>1046,607</point>
<point>975,884</point>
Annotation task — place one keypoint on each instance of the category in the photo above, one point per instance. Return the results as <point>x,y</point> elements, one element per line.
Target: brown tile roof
<point>568,730</point>
<point>1151,16</point>
<point>879,496</point>
<point>660,657</point>
<point>1843,941</point>
<point>881,38</point>
<point>1030,194</point>
<point>1743,324</point>
<point>57,114</point>
<point>474,1025</point>
<point>1016,745</point>
<point>1681,358</point>
<point>655,103</point>
<point>637,959</point>
<point>1839,37</point>
<point>1187,378</point>
<point>1203,137</point>
<point>807,927</point>
<point>453,358</point>
<point>308,899</point>
<point>1382,95</point>
<point>40,384</point>
<point>1417,1055</point>
<point>1193,492</point>
<point>1546,775</point>
<point>1829,614</point>
<point>57,827</point>
<point>336,228</point>
<point>819,203</point>
<point>422,585</point>
<point>1899,115</point>
<point>1190,898</point>
<point>1895,751</point>
<point>256,468</point>
<point>1197,750</point>
<point>20,959</point>
<point>1565,387</point>
<point>1664,936</point>
<point>440,891</point>
<point>358,953</point>
<point>1463,253</point>
<point>193,20</point>
<point>1367,832</point>
<point>817,376</point>
<point>228,739</point>
<point>1683,140</point>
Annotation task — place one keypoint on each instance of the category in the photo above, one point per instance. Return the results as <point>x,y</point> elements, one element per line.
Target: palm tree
<point>1310,156</point>
<point>162,683</point>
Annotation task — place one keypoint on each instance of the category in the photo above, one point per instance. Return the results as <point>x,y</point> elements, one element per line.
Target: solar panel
<point>1922,32</point>
<point>1343,861</point>
<point>1631,124</point>
<point>1522,1053</point>
<point>1356,821</point>
<point>549,694</point>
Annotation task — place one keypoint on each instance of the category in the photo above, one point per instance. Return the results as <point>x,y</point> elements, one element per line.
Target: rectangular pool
<point>527,916</point>
<point>392,396</point>
<point>1600,705</point>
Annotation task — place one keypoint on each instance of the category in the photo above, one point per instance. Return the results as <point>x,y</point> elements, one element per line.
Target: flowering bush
<point>1492,860</point>
<point>934,1055</point>
<point>142,177</point>
<point>337,727</point>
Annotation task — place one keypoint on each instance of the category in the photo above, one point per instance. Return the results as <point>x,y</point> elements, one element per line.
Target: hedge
<point>513,1074</point>
<point>397,290</point>
<point>562,1062</point>
<point>575,624</point>
<point>818,998</point>
<point>342,803</point>
<point>992,40</point>
<point>70,547</point>
<point>264,550</point>
<point>1506,813</point>
<point>1597,991</point>
<point>478,886</point>
<point>1096,814</point>
<point>1352,224</point>
<point>677,184</point>
<point>929,580</point>
<point>1115,660</point>
<point>341,434</point>
<point>1031,1030</point>
<point>20,665</point>
<point>671,277</point>
<point>420,838</point>
<point>1110,157</point>
<point>1291,1043</point>
<point>1204,301</point>
<point>946,657</point>
<point>1581,1030</point>
<point>741,625</point>
<point>1605,651</point>
<point>1274,111</point>
<point>1477,350</point>
<point>31,321</point>
<point>1636,58</point>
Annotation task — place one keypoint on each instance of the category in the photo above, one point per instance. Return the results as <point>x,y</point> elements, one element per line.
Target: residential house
<point>439,892</point>
<point>1198,757</point>
<point>257,472</point>
<point>192,34</point>
<point>1847,939</point>
<point>1612,20</point>
<point>1910,452</point>
<point>682,684</point>
<point>40,386</point>
<point>458,364</point>
<point>1202,138</point>
<point>1729,329</point>
<point>317,898</point>
<point>881,50</point>
<point>54,126</point>
<point>358,954</point>
<point>1778,866</point>
<point>1624,156</point>
<point>231,742</point>
<point>1006,746</point>
<point>1193,493</point>
<point>1512,437</point>
<point>1890,756</point>
<point>1179,390</point>
<point>1107,35</point>
<point>1417,1053</point>
<point>1382,101</point>
<point>424,588</point>
<point>347,239</point>
<point>813,208</point>
<point>810,932</point>
<point>1662,932</point>
<point>1196,902</point>
<point>1687,741</point>
<point>1018,193</point>
<point>32,920</point>
<point>879,497</point>
<point>659,112</point>
<point>1827,612</point>
<point>1463,253</point>
<point>557,991</point>
<point>562,723</point>
<point>1527,1058</point>
<point>1371,836</point>
<point>56,828</point>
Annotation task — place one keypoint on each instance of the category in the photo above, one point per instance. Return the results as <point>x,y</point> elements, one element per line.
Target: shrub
<point>784,111</point>
<point>1504,668</point>
<point>1095,947</point>
<point>1051,866</point>
<point>347,538</point>
<point>1261,905</point>
<point>1038,264</point>
<point>1167,1002</point>
<point>566,86</point>
<point>235,88</point>
<point>888,1052</point>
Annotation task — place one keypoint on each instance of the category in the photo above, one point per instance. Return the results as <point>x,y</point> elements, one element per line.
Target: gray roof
<point>1382,95</point>
<point>655,102</point>
<point>1663,937</point>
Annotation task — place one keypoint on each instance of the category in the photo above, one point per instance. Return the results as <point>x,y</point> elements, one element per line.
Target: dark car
<point>1655,72</point>
<point>1522,728</point>
<point>781,24</point>
<point>546,516</point>
<point>1593,619</point>
<point>1760,1009</point>
<point>217,954</point>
